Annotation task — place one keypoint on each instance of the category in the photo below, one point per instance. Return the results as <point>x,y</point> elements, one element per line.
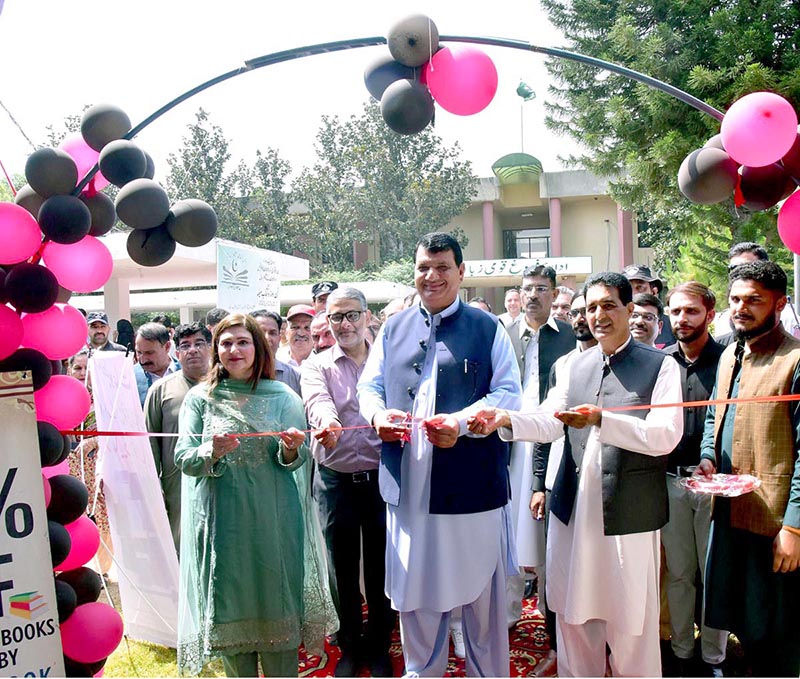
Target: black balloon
<point>150,247</point>
<point>142,204</point>
<point>29,199</point>
<point>103,123</point>
<point>77,669</point>
<point>86,583</point>
<point>51,172</point>
<point>383,72</point>
<point>413,40</point>
<point>29,359</point>
<point>66,600</point>
<point>192,222</point>
<point>51,443</point>
<point>707,175</point>
<point>68,500</point>
<point>122,161</point>
<point>714,143</point>
<point>407,106</point>
<point>104,216</point>
<point>763,187</point>
<point>65,219</point>
<point>791,161</point>
<point>63,295</point>
<point>60,542</point>
<point>150,172</point>
<point>31,288</point>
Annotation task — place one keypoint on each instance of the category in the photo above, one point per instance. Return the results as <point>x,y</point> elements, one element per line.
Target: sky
<point>58,56</point>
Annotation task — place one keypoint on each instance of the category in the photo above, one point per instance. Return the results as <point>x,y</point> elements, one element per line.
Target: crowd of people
<point>458,461</point>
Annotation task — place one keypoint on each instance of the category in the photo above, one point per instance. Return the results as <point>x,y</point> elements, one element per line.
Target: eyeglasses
<point>540,289</point>
<point>199,345</point>
<point>574,313</point>
<point>351,316</point>
<point>644,315</point>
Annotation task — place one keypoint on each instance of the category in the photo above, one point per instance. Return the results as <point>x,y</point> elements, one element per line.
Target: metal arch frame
<point>337,46</point>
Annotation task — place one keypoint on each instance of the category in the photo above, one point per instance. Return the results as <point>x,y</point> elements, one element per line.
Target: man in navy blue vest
<point>609,498</point>
<point>448,540</point>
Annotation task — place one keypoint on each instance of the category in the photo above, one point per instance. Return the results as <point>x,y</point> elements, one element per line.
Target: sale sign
<point>30,643</point>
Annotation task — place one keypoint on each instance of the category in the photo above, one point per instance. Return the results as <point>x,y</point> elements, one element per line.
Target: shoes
<point>548,667</point>
<point>530,588</point>
<point>458,642</point>
<point>381,666</point>
<point>714,670</point>
<point>347,665</point>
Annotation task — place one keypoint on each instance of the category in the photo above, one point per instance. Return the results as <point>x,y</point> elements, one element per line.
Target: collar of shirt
<point>444,313</point>
<point>337,352</point>
<point>525,328</point>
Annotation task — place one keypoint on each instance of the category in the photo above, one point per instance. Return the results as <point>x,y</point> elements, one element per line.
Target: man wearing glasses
<point>645,322</point>
<point>162,407</point>
<point>538,340</point>
<point>351,510</point>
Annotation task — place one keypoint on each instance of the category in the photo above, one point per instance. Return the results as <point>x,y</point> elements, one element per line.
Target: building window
<point>526,244</point>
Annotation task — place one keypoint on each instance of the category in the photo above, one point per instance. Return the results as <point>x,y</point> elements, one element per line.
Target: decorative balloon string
<point>8,179</point>
<point>779,398</point>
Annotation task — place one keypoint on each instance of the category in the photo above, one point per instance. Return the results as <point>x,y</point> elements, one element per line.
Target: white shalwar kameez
<point>435,562</point>
<point>604,588</point>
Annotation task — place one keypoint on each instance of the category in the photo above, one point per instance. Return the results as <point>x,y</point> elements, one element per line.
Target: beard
<point>691,334</point>
<point>582,333</point>
<point>766,326</point>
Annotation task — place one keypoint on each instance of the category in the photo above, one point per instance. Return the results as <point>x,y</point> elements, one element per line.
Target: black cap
<point>95,316</point>
<point>323,288</point>
<point>640,272</point>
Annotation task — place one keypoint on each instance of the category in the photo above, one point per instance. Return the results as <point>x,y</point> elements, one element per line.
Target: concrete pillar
<point>186,314</point>
<point>488,230</point>
<point>625,234</point>
<point>555,227</point>
<point>117,296</point>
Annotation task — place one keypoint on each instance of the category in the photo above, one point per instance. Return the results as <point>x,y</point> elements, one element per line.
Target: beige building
<point>565,219</point>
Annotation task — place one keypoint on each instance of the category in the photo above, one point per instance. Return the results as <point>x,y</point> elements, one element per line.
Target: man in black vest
<point>448,543</point>
<point>609,498</point>
<point>538,340</point>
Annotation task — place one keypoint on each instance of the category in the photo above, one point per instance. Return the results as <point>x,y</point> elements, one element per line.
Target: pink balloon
<point>462,79</point>
<point>59,332</point>
<point>84,266</point>
<point>19,234</point>
<point>91,633</point>
<point>100,673</point>
<point>789,222</point>
<point>48,491</point>
<point>85,158</point>
<point>11,331</point>
<point>63,402</point>
<point>55,470</point>
<point>759,129</point>
<point>85,541</point>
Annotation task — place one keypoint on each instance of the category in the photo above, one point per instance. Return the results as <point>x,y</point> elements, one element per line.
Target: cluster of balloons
<point>755,158</point>
<point>90,630</point>
<point>461,79</point>
<point>50,250</point>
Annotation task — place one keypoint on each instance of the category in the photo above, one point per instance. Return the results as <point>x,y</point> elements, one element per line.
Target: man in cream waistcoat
<point>609,498</point>
<point>752,575</point>
<point>449,542</point>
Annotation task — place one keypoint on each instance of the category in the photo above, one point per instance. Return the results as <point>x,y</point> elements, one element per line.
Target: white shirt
<point>439,561</point>
<point>579,553</point>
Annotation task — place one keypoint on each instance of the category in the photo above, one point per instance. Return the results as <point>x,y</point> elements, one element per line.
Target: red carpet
<point>528,644</point>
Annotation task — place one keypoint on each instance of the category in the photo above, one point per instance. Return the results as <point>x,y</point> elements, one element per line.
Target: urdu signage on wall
<point>497,268</point>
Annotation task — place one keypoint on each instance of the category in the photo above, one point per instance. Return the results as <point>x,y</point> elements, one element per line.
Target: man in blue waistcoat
<point>447,491</point>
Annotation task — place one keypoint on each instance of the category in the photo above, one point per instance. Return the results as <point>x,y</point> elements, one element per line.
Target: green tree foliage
<point>716,50</point>
<point>370,183</point>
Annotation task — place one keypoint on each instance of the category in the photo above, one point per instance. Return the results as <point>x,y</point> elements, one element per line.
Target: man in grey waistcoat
<point>609,498</point>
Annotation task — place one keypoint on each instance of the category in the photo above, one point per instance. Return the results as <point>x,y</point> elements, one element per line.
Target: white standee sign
<point>30,642</point>
<point>247,278</point>
<point>143,547</point>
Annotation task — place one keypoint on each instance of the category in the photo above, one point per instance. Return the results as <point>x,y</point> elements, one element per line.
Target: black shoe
<point>713,670</point>
<point>530,588</point>
<point>685,667</point>
<point>347,665</point>
<point>381,666</point>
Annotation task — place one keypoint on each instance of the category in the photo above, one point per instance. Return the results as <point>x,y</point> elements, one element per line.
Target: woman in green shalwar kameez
<point>253,581</point>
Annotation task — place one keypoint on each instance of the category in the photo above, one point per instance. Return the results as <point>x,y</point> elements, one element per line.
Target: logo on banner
<point>29,605</point>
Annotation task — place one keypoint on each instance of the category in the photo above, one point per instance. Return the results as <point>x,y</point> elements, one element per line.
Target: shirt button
<point>577,470</point>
